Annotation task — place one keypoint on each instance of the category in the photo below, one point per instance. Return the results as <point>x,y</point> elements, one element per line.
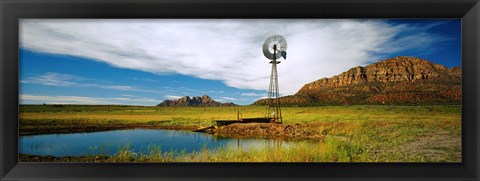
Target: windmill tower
<point>274,47</point>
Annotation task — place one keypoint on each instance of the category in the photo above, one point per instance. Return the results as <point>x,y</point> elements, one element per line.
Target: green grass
<point>193,116</point>
<point>363,133</point>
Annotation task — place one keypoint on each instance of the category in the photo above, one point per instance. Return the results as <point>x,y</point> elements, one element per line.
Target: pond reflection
<point>138,140</point>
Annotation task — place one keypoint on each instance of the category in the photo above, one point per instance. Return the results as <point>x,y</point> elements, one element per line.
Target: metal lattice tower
<point>274,47</point>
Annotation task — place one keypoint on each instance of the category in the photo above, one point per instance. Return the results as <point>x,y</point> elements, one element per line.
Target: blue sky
<point>77,79</point>
<point>143,62</point>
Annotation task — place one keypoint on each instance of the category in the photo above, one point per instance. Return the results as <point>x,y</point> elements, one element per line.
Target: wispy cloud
<point>194,91</point>
<point>118,87</point>
<point>217,92</point>
<point>40,99</point>
<point>145,80</point>
<point>252,94</point>
<point>226,50</point>
<point>68,80</point>
<point>52,79</point>
<point>128,95</point>
<point>173,97</point>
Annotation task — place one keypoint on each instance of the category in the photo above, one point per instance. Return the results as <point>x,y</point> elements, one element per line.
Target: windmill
<point>274,47</point>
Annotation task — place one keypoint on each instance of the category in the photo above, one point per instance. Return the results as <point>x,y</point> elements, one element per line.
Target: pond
<point>109,142</point>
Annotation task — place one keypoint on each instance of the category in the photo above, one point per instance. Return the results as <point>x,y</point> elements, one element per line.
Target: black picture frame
<point>13,10</point>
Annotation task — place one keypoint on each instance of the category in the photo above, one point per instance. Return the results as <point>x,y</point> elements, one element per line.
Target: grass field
<point>363,133</point>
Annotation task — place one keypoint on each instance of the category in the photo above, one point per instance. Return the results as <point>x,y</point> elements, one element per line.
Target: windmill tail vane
<point>284,55</point>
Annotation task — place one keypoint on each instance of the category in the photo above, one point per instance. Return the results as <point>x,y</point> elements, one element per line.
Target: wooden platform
<point>204,129</point>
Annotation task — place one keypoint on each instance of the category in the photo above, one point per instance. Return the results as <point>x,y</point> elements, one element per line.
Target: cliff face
<point>399,80</point>
<point>194,101</point>
<point>398,69</point>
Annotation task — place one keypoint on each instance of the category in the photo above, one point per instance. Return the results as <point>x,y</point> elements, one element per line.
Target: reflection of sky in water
<point>109,142</point>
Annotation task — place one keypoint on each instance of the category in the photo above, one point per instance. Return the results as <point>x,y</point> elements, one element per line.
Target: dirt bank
<point>264,130</point>
<point>81,128</point>
<point>297,131</point>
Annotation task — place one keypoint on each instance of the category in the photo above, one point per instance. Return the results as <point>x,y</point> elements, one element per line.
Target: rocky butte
<point>194,101</point>
<point>400,80</point>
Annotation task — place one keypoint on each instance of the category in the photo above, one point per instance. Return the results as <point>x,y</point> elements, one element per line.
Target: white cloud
<point>173,97</point>
<point>128,95</point>
<point>40,99</point>
<point>146,80</point>
<point>68,80</point>
<point>253,94</point>
<point>226,50</point>
<point>52,79</point>
<point>118,87</point>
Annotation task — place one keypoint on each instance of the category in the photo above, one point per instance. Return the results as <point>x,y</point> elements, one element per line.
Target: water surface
<point>109,142</point>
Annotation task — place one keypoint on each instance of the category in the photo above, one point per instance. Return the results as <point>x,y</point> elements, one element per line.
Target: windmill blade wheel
<point>274,47</point>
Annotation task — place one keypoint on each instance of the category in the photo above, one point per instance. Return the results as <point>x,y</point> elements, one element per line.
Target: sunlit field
<point>364,133</point>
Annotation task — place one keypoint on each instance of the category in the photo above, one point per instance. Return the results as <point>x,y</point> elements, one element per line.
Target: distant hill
<point>194,101</point>
<point>400,80</point>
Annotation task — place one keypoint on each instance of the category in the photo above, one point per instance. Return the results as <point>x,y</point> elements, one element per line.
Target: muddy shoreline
<point>238,130</point>
<point>86,129</point>
<point>271,130</point>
